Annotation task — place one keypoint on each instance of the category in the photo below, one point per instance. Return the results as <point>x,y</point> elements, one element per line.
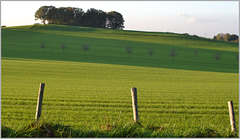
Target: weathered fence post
<point>134,104</point>
<point>232,117</point>
<point>39,101</point>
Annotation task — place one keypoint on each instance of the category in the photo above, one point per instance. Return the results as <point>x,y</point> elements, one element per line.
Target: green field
<point>187,95</point>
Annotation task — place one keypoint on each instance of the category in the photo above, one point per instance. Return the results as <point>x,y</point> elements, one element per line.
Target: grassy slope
<point>83,93</point>
<point>108,46</point>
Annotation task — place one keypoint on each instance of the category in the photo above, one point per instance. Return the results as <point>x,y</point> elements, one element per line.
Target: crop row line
<point>128,109</point>
<point>113,105</point>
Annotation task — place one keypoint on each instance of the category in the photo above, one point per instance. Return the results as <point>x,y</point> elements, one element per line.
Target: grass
<point>78,93</point>
<point>49,129</point>
<point>84,95</point>
<point>107,47</point>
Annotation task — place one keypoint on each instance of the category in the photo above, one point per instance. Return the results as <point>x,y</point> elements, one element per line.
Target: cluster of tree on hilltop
<point>76,16</point>
<point>226,37</point>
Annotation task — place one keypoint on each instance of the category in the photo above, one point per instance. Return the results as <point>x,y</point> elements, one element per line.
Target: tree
<point>78,16</point>
<point>114,20</point>
<point>60,16</point>
<point>129,50</point>
<point>150,52</point>
<point>63,16</point>
<point>42,45</point>
<point>234,37</point>
<point>215,37</point>
<point>85,47</point>
<point>217,56</point>
<point>95,18</point>
<point>52,16</point>
<point>195,52</point>
<point>226,37</point>
<point>63,47</point>
<point>172,53</point>
<point>42,13</point>
<point>220,36</point>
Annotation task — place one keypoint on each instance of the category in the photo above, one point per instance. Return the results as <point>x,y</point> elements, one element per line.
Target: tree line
<point>150,51</point>
<point>76,16</point>
<point>226,37</point>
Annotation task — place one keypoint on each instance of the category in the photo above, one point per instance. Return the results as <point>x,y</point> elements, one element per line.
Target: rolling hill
<point>88,95</point>
<point>108,46</point>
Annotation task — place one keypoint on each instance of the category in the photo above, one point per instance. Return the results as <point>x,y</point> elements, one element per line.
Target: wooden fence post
<point>232,117</point>
<point>134,104</point>
<point>39,101</point>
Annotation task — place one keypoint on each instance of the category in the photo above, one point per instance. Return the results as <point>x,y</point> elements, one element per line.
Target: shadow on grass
<point>129,130</point>
<point>156,63</point>
<point>209,133</point>
<point>7,132</point>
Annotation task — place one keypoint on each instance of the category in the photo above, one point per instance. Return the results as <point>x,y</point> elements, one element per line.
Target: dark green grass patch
<point>129,130</point>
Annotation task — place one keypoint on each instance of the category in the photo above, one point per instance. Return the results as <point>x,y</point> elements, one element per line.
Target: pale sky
<point>203,18</point>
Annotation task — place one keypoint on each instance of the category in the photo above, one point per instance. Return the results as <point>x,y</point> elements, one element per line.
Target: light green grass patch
<point>79,93</point>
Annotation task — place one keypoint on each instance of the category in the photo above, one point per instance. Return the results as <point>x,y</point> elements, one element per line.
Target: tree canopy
<point>42,13</point>
<point>76,16</point>
<point>115,20</point>
<point>226,37</point>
